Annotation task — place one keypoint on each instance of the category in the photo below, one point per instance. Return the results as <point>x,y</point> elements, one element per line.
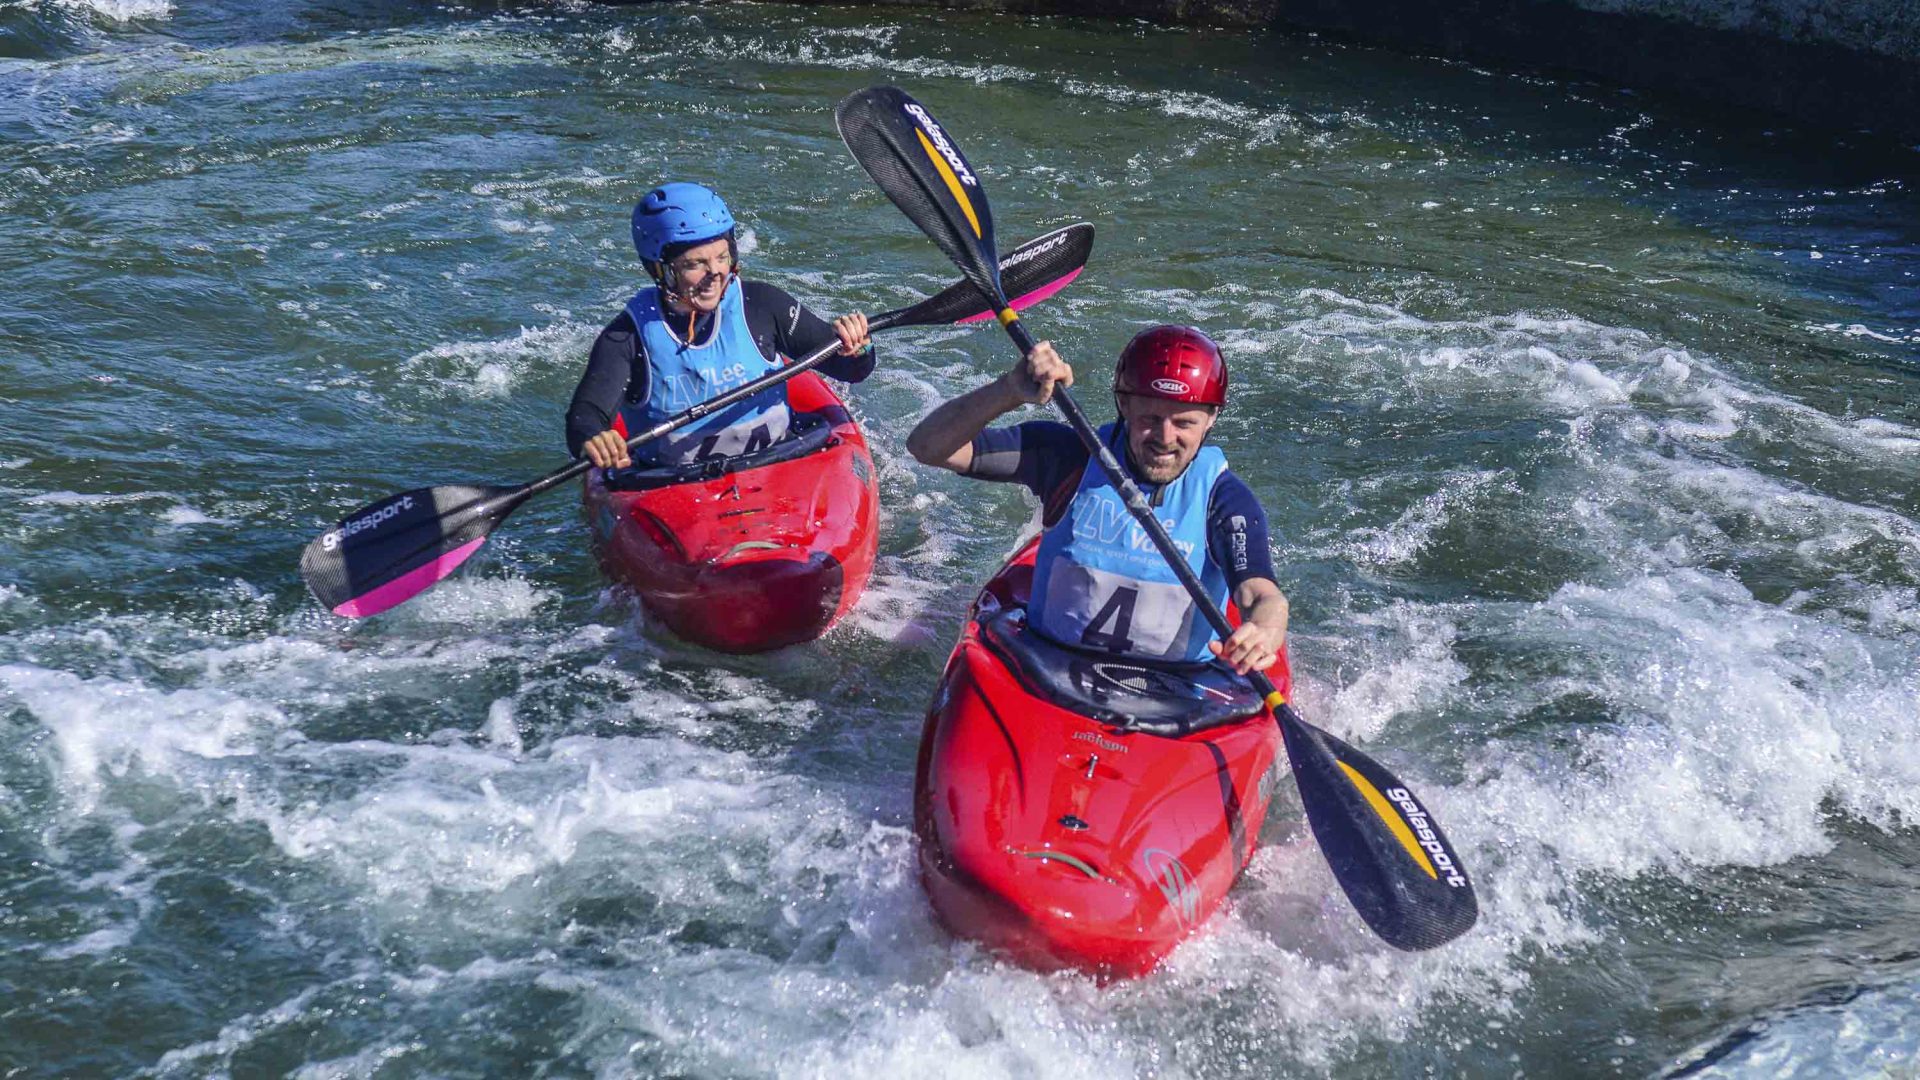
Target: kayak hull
<point>750,560</point>
<point>1062,843</point>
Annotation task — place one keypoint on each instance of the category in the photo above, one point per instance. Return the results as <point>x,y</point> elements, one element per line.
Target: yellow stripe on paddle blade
<point>953,182</point>
<point>1392,817</point>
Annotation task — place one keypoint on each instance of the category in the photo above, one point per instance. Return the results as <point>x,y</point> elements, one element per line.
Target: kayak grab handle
<point>745,546</point>
<point>1062,857</point>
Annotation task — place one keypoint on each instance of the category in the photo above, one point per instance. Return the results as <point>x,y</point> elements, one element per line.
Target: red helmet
<point>1178,363</point>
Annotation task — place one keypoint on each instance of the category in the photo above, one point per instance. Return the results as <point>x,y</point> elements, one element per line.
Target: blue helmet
<point>678,213</point>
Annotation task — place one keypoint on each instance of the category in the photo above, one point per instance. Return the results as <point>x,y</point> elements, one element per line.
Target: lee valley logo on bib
<point>1107,522</point>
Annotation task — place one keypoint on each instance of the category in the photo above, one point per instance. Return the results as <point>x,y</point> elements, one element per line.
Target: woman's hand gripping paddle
<point>1385,849</point>
<point>390,551</point>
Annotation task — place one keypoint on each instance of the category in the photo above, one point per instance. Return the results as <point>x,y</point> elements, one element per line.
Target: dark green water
<point>1586,426</point>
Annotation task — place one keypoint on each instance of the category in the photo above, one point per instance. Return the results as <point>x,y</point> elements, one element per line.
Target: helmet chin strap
<point>664,277</point>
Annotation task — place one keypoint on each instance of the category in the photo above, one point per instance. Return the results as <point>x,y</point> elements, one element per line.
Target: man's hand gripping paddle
<point>390,551</point>
<point>1384,847</point>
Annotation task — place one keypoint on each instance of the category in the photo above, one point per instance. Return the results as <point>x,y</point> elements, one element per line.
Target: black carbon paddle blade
<point>906,151</point>
<point>389,551</point>
<point>1385,849</point>
<point>1030,273</point>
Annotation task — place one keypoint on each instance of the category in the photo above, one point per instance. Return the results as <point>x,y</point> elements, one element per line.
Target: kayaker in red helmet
<point>697,332</point>
<point>1098,580</point>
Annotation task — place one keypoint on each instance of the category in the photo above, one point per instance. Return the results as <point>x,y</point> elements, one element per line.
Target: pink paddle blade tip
<point>408,585</point>
<point>1027,300</point>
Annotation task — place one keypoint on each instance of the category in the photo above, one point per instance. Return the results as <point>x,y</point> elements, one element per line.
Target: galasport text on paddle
<point>1384,847</point>
<point>390,551</point>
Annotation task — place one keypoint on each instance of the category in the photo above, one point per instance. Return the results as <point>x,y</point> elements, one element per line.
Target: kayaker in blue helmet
<point>1098,580</point>
<point>697,332</point>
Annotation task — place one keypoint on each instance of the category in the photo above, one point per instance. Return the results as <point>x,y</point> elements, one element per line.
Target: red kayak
<point>1080,812</point>
<point>753,552</point>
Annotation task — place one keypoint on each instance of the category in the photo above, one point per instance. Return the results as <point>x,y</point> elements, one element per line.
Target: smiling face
<point>1163,435</point>
<point>700,275</point>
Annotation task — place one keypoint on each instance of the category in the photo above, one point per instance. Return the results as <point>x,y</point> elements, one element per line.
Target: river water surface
<point>1587,427</point>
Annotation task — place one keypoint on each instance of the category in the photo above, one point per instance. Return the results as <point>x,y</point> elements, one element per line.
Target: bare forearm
<point>1263,604</point>
<point>1262,633</point>
<point>945,436</point>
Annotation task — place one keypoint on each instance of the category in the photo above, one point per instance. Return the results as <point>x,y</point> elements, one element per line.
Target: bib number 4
<point>1111,628</point>
<point>759,438</point>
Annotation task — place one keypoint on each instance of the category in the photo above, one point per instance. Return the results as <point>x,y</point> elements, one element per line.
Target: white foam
<point>183,515</point>
<point>899,605</point>
<point>1566,366</point>
<point>1884,436</point>
<point>372,1061</point>
<point>471,600</point>
<point>1894,336</point>
<point>1875,1033</point>
<point>817,52</point>
<point>1265,126</point>
<point>95,742</point>
<point>1821,532</point>
<point>1402,541</point>
<point>76,498</point>
<point>484,822</point>
<point>1311,978</point>
<point>500,729</point>
<point>516,227</point>
<point>824,49</point>
<point>101,942</point>
<point>1403,655</point>
<point>1713,719</point>
<point>988,1024</point>
<point>238,1034</point>
<point>123,10</point>
<point>493,368</point>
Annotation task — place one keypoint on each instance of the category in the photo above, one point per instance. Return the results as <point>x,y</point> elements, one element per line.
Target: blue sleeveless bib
<point>1100,583</point>
<point>685,375</point>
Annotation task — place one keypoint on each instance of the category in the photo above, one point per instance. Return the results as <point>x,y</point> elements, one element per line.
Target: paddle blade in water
<point>906,151</point>
<point>391,550</point>
<point>1385,849</point>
